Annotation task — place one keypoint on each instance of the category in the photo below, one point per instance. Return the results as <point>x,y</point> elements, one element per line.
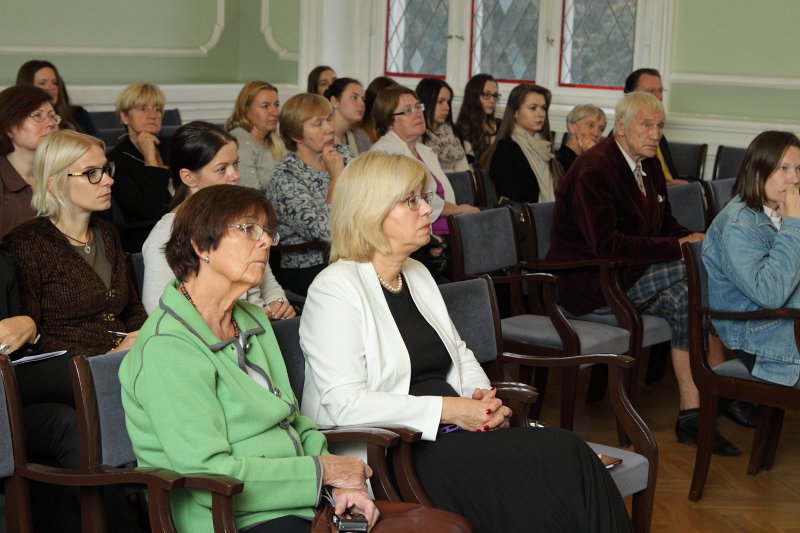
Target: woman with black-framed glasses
<point>26,117</point>
<point>72,270</point>
<point>202,155</point>
<point>476,121</point>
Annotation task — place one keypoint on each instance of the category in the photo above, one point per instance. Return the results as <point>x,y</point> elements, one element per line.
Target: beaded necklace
<point>233,320</point>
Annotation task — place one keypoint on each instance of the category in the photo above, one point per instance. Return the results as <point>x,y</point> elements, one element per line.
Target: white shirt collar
<point>631,162</point>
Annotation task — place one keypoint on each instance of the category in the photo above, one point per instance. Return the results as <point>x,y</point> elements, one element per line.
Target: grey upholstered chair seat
<point>655,329</point>
<point>539,330</point>
<point>630,476</point>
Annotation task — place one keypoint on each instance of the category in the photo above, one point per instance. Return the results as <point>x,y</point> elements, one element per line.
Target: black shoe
<point>686,433</point>
<point>743,413</point>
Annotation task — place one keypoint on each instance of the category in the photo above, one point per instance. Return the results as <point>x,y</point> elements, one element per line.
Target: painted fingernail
<point>478,430</point>
<point>488,411</point>
<point>486,427</point>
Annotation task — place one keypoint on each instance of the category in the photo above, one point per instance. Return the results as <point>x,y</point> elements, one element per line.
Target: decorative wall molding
<point>200,50</point>
<point>266,28</point>
<point>759,82</point>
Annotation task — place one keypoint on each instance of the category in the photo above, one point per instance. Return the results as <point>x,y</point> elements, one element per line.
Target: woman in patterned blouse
<point>302,186</point>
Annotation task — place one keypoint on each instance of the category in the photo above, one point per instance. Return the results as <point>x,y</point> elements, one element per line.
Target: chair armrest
<point>632,424</point>
<point>517,396</point>
<point>159,478</point>
<point>368,435</point>
<point>546,265</point>
<point>783,312</point>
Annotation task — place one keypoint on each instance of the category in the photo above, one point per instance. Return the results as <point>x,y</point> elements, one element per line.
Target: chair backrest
<point>483,241</point>
<point>485,187</point>
<point>98,394</point>
<point>287,332</point>
<point>719,192</point>
<point>473,310</point>
<point>697,272</point>
<point>463,187</point>
<point>688,205</point>
<point>171,117</point>
<point>727,162</point>
<point>540,224</point>
<point>689,158</point>
<point>105,120</point>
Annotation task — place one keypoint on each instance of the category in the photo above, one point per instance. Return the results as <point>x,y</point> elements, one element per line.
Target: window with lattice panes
<point>505,35</point>
<point>597,40</point>
<point>416,43</point>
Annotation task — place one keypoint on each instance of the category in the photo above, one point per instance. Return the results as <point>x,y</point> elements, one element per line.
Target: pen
<point>118,333</point>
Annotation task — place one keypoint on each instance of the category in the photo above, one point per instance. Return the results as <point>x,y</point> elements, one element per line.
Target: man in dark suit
<point>612,204</point>
<point>648,80</point>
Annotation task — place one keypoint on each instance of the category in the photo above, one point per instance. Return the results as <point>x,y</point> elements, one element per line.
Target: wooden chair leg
<point>93,516</point>
<point>760,439</point>
<point>540,384</point>
<point>18,505</point>
<point>774,438</point>
<point>642,510</point>
<point>706,433</point>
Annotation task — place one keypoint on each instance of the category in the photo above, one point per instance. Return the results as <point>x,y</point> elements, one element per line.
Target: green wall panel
<point>167,34</point>
<point>751,103</point>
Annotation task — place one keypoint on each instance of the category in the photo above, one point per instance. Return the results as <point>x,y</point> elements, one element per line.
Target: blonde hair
<point>580,112</point>
<point>137,94</point>
<point>634,103</point>
<point>296,111</point>
<point>368,188</point>
<point>238,118</point>
<point>55,154</point>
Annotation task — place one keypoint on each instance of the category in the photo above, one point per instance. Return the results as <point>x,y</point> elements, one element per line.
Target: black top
<point>84,120</point>
<point>430,361</point>
<point>566,157</point>
<point>511,173</point>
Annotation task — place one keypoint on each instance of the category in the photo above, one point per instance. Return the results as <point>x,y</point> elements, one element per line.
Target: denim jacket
<point>752,266</point>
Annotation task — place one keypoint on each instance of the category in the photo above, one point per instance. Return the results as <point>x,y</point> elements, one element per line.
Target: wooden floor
<point>733,502</point>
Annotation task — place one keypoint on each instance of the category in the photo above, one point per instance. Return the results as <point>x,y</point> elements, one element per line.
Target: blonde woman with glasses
<point>26,117</point>
<point>72,270</point>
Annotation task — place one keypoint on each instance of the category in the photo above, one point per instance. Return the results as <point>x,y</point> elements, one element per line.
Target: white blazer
<point>358,370</point>
<point>391,143</point>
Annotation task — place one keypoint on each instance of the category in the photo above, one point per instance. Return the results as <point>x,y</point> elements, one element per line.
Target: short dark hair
<point>203,221</point>
<point>193,146</point>
<point>313,77</point>
<point>428,90</point>
<point>383,110</point>
<point>338,86</point>
<point>632,81</point>
<point>16,103</point>
<point>370,94</point>
<point>760,160</point>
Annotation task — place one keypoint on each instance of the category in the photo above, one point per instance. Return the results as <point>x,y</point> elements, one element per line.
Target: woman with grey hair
<point>585,125</point>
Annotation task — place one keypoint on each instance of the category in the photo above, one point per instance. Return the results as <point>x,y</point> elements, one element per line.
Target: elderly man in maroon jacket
<point>612,204</point>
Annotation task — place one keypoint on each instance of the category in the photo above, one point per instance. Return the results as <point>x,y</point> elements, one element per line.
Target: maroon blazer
<point>600,213</point>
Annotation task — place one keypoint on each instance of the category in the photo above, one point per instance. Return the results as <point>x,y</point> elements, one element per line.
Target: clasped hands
<point>483,412</point>
<point>348,477</point>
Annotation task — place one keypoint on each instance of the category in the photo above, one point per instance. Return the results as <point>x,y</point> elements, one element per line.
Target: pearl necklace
<point>393,290</point>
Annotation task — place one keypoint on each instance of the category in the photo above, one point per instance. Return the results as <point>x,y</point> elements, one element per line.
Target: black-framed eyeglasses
<point>254,232</point>
<point>41,116</point>
<point>95,175</point>
<point>493,96</point>
<point>415,200</point>
<point>419,106</point>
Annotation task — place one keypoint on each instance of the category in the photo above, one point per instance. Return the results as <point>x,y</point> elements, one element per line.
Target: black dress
<point>520,479</point>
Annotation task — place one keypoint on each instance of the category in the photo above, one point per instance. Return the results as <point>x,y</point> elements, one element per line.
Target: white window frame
<point>350,35</point>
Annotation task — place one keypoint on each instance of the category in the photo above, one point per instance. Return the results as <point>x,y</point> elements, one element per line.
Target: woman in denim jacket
<point>752,253</point>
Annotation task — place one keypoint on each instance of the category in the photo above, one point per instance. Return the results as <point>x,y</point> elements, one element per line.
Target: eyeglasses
<point>254,232</point>
<point>415,200</point>
<point>95,175</point>
<point>410,110</point>
<point>493,96</point>
<point>41,116</point>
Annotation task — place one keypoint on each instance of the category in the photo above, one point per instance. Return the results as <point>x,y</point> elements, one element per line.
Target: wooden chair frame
<point>772,399</point>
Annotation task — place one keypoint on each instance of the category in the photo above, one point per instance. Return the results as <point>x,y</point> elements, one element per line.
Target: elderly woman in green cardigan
<point>205,388</point>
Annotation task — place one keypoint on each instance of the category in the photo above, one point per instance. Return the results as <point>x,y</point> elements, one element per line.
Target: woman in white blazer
<point>400,122</point>
<point>381,349</point>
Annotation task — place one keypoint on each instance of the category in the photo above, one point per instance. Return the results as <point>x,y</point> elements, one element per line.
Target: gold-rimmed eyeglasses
<point>41,116</point>
<point>255,231</point>
<point>415,200</point>
<point>419,106</point>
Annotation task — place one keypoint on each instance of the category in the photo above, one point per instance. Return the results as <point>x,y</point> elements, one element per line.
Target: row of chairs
<point>106,450</point>
<point>110,129</point>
